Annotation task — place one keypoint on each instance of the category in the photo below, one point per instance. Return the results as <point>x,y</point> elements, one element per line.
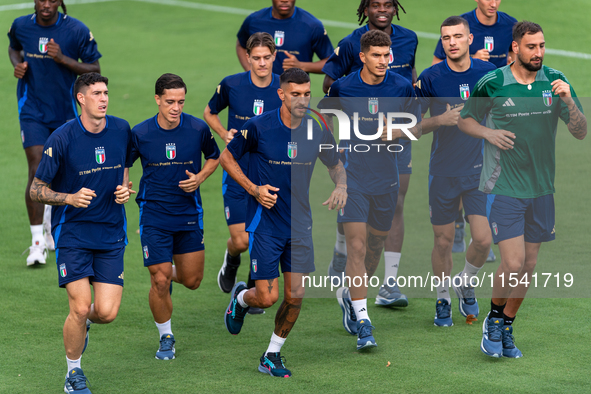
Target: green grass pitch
<point>139,41</point>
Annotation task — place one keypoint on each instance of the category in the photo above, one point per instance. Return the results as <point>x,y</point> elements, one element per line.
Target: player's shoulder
<point>267,120</point>
<point>304,16</point>
<point>64,134</point>
<point>398,80</point>
<point>403,31</point>
<point>506,19</point>
<point>235,79</point>
<point>478,64</point>
<point>493,79</point>
<point>433,72</point>
<point>143,127</point>
<point>354,37</point>
<point>470,16</point>
<point>117,123</point>
<point>24,20</point>
<point>261,14</point>
<point>194,122</point>
<point>73,23</point>
<point>553,74</point>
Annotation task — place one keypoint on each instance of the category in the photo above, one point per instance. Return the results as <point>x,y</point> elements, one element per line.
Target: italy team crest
<point>258,107</point>
<point>495,228</point>
<point>292,150</point>
<point>254,265</point>
<point>227,209</point>
<point>465,91</point>
<point>99,153</point>
<point>279,38</point>
<point>63,271</point>
<point>489,43</point>
<point>43,44</point>
<point>547,96</point>
<point>171,151</point>
<point>146,254</point>
<point>391,56</point>
<point>372,106</point>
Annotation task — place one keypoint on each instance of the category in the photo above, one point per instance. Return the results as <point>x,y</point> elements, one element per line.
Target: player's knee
<point>241,242</point>
<point>106,315</point>
<point>443,243</point>
<point>268,300</point>
<point>161,284</point>
<point>296,295</point>
<point>193,283</point>
<point>513,264</point>
<point>356,247</point>
<point>80,312</point>
<point>482,244</point>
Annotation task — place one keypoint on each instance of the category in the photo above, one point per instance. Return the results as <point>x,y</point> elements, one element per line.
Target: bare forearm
<point>213,120</point>
<point>430,124</point>
<point>327,83</point>
<point>16,57</point>
<point>313,67</point>
<point>231,166</point>
<point>40,192</point>
<point>241,53</point>
<point>471,127</point>
<point>338,174</point>
<point>577,124</point>
<point>208,168</point>
<point>78,67</point>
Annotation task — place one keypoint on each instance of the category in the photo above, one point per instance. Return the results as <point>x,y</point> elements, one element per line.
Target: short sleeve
<point>329,157</point>
<point>221,98</point>
<point>246,140</point>
<point>321,44</point>
<point>129,158</point>
<point>13,41</point>
<point>208,145</point>
<point>87,46</point>
<point>51,159</point>
<point>479,103</point>
<point>339,63</point>
<point>422,90</point>
<point>412,104</point>
<point>244,32</point>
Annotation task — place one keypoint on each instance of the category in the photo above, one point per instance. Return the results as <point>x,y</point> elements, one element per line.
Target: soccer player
<point>372,176</point>
<point>279,219</point>
<point>298,36</point>
<point>170,145</point>
<point>524,102</point>
<point>84,174</point>
<point>454,168</point>
<point>344,61</point>
<point>44,49</point>
<point>247,94</point>
<point>492,31</point>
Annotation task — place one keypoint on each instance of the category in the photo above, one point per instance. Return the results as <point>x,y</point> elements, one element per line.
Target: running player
<point>492,31</point>
<point>454,168</point>
<point>279,219</point>
<point>246,94</point>
<point>44,49</point>
<point>298,36</point>
<point>170,145</point>
<point>344,61</point>
<point>372,177</point>
<point>524,102</point>
<point>84,173</point>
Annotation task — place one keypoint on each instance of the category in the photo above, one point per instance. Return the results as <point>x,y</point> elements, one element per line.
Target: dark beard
<point>531,67</point>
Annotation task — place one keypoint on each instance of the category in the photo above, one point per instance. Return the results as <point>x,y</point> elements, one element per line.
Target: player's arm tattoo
<point>577,124</point>
<point>286,316</point>
<point>338,174</point>
<point>270,287</point>
<point>373,252</point>
<point>41,192</point>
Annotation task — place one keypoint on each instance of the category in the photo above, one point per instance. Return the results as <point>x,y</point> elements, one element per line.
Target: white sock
<point>37,233</point>
<point>469,270</point>
<point>88,322</point>
<point>73,363</point>
<point>240,298</point>
<point>164,328</point>
<point>443,291</point>
<point>360,308</point>
<point>392,261</point>
<point>341,244</point>
<point>275,344</point>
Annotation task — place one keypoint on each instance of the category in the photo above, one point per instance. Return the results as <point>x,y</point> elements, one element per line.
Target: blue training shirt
<point>375,171</point>
<point>244,100</point>
<point>283,158</point>
<point>45,93</point>
<point>302,35</point>
<point>345,59</point>
<point>74,158</point>
<point>497,38</point>
<point>165,156</point>
<point>453,153</point>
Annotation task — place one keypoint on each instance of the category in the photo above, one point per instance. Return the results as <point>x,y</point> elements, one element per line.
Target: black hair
<point>169,81</point>
<point>294,75</point>
<point>88,79</point>
<point>454,21</point>
<point>525,27</point>
<point>365,3</point>
<point>374,38</point>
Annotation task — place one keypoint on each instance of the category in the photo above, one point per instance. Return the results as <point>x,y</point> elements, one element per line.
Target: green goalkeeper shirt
<point>527,170</point>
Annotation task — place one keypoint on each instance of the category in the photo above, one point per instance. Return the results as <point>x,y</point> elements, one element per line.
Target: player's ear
<point>515,47</point>
<point>281,94</point>
<point>80,98</point>
<point>470,39</point>
<point>362,57</point>
<point>157,98</point>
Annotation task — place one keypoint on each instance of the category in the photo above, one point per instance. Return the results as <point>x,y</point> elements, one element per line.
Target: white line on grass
<point>242,11</point>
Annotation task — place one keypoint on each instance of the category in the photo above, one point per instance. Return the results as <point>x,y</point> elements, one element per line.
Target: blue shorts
<point>445,194</point>
<point>103,266</point>
<point>235,200</point>
<point>158,245</point>
<point>404,158</point>
<point>511,217</point>
<point>34,133</point>
<point>267,252</point>
<point>377,211</point>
